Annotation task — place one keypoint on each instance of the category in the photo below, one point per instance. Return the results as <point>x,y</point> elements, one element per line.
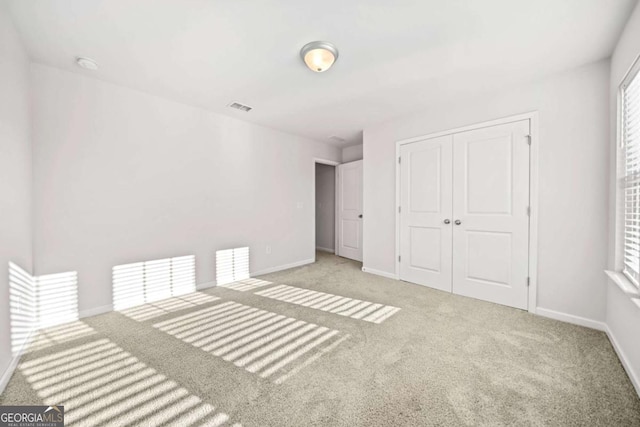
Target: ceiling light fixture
<point>86,63</point>
<point>319,56</point>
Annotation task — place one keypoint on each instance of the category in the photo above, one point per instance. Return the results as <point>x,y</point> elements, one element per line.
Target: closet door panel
<point>490,213</point>
<point>425,200</point>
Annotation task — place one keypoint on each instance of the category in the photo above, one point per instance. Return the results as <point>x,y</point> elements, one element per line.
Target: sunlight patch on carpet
<point>264,343</point>
<point>246,285</point>
<point>170,305</point>
<point>336,304</point>
<point>99,383</point>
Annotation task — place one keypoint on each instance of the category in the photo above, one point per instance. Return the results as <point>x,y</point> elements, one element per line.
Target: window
<point>630,139</point>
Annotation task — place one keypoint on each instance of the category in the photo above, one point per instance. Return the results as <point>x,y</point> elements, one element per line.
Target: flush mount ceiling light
<point>319,56</point>
<point>86,63</point>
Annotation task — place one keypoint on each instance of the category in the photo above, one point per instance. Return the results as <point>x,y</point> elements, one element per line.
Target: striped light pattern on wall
<point>39,303</point>
<point>149,281</point>
<point>232,265</point>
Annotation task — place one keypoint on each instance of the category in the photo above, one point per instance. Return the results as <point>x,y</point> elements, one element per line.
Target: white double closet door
<point>464,213</point>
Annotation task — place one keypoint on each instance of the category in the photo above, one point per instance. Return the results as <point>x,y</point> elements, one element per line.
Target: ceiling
<point>396,57</point>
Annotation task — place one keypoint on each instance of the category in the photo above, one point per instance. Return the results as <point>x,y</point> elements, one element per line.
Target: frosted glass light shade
<point>319,56</point>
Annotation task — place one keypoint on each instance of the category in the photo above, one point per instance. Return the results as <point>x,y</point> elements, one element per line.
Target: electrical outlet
<point>268,250</point>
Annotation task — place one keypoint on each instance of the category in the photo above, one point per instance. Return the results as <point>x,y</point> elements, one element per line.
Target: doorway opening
<point>325,207</point>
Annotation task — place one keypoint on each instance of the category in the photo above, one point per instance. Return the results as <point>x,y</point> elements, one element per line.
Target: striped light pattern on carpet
<point>101,384</point>
<point>264,343</point>
<point>245,285</point>
<point>169,305</point>
<point>336,304</point>
<point>54,335</point>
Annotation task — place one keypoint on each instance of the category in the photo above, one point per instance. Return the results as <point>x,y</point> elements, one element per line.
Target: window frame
<point>632,285</point>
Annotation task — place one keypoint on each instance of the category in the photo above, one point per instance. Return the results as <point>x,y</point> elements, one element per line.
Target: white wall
<point>15,170</point>
<point>122,176</point>
<point>623,315</point>
<point>352,153</point>
<point>325,206</point>
<point>573,156</point>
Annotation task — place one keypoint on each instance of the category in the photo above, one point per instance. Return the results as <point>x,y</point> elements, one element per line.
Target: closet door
<point>425,216</point>
<point>491,220</point>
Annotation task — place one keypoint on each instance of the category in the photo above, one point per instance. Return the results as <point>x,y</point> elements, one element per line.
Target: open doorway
<point>325,207</point>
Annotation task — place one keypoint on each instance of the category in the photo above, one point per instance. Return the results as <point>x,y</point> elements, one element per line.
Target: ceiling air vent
<point>240,107</point>
<point>337,138</point>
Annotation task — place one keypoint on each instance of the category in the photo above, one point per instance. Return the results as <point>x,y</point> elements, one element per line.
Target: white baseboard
<point>6,376</point>
<point>95,311</point>
<point>206,285</point>
<point>283,267</point>
<point>380,273</point>
<point>600,326</point>
<point>633,376</point>
<point>331,251</point>
<point>570,318</point>
<point>213,283</point>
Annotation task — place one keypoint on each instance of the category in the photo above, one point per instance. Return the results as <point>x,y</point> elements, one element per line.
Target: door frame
<point>533,192</point>
<point>335,164</point>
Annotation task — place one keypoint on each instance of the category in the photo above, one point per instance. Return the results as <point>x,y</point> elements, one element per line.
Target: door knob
<point>446,221</point>
<point>360,216</point>
<point>458,222</point>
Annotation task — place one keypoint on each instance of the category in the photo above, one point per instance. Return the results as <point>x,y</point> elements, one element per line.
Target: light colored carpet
<point>258,355</point>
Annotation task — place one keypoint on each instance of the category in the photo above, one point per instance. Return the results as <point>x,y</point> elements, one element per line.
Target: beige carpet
<point>325,345</point>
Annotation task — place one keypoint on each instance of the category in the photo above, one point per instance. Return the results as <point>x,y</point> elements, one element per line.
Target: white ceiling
<point>395,56</point>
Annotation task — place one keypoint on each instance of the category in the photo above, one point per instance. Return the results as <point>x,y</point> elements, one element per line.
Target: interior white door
<point>490,213</point>
<point>350,210</point>
<point>425,212</point>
